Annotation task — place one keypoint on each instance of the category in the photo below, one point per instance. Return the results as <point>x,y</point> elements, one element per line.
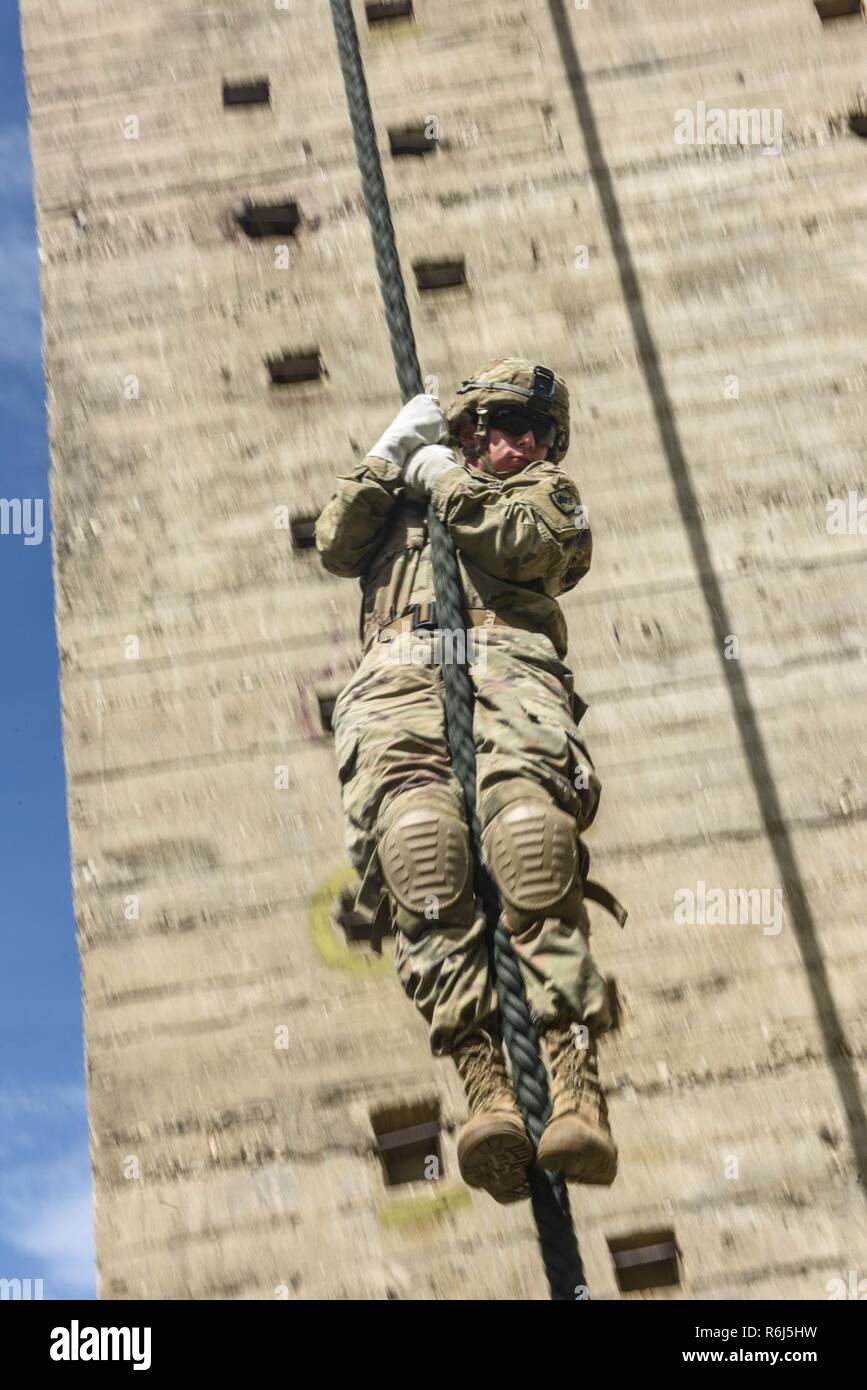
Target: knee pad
<point>532,850</point>
<point>424,854</point>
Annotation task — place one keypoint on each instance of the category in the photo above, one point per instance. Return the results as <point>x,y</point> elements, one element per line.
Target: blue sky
<point>45,1200</point>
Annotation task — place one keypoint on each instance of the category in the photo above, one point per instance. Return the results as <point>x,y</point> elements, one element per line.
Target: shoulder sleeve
<point>351,525</point>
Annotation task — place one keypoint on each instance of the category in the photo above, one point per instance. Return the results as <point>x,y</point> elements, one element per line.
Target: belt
<point>423,617</point>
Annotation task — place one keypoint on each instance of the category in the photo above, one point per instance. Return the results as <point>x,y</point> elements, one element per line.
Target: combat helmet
<point>517,382</point>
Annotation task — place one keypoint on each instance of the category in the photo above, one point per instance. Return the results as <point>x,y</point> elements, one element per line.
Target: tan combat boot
<point>493,1148</point>
<point>577,1139</point>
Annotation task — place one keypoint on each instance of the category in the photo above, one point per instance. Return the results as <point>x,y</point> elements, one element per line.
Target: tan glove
<point>421,421</point>
<point>425,465</point>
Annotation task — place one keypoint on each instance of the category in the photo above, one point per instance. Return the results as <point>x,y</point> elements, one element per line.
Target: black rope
<point>547,1190</point>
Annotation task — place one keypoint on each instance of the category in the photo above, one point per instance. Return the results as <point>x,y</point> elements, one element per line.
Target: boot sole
<point>572,1148</point>
<point>497,1162</point>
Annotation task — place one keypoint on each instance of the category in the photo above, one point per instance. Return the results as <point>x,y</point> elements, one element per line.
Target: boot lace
<point>577,1069</point>
<point>481,1068</point>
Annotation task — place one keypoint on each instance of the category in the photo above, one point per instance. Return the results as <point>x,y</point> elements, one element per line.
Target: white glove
<point>425,465</point>
<point>420,422</point>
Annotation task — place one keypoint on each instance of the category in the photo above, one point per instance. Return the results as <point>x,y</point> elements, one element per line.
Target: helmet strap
<point>479,443</point>
<point>480,438</point>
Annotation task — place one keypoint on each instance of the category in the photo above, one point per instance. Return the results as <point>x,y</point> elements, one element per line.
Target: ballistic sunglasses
<point>517,422</point>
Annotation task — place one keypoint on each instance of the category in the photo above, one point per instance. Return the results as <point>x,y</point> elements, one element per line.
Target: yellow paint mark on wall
<point>416,1213</point>
<point>337,954</point>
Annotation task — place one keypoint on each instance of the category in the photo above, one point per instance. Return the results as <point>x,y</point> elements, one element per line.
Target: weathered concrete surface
<point>226,1166</point>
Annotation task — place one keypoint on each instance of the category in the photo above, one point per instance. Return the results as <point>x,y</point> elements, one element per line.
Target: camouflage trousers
<point>390,736</point>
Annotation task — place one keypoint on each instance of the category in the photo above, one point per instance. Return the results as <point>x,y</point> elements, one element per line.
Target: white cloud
<point>42,1100</point>
<point>45,1188</point>
<point>58,1237</point>
<point>45,1210</point>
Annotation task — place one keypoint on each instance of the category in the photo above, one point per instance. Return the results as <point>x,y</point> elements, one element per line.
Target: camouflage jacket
<point>520,540</point>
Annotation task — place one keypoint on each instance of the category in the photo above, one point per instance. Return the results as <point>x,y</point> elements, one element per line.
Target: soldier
<point>489,467</point>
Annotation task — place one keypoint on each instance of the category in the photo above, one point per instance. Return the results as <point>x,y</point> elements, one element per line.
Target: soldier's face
<point>508,453</point>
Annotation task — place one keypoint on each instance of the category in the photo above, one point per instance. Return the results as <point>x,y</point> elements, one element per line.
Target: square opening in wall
<point>645,1260</point>
<point>291,367</point>
<point>858,124</point>
<point>269,219</point>
<point>408,1142</point>
<point>836,9</point>
<point>386,10</point>
<point>302,529</point>
<point>326,705</point>
<point>254,93</point>
<point>411,140</point>
<point>438,275</point>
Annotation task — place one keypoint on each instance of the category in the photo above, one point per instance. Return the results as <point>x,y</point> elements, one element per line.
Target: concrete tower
<point>665,202</point>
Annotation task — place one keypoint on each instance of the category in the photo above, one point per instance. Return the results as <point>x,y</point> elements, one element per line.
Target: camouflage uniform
<point>521,540</point>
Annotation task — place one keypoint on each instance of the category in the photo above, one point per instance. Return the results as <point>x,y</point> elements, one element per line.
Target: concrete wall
<point>713,338</point>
